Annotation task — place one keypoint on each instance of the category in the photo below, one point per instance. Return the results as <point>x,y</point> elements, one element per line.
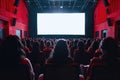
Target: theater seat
<point>20,73</point>
<point>104,72</point>
<point>61,72</point>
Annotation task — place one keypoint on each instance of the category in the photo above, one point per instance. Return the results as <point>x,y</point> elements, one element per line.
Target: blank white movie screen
<point>60,23</point>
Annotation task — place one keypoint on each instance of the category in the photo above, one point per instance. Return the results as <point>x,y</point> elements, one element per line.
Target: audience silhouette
<point>14,64</point>
<point>69,56</point>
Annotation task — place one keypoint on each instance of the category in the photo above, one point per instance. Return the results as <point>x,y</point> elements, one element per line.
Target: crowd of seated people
<point>80,55</point>
<point>31,58</point>
<point>37,58</point>
<point>48,49</point>
<point>60,62</point>
<point>106,66</point>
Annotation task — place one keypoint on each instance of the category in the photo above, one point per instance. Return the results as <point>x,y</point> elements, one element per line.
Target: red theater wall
<point>13,17</point>
<point>107,17</point>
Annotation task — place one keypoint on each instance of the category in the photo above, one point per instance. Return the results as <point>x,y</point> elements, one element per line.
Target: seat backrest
<point>19,73</point>
<point>61,72</point>
<point>106,72</point>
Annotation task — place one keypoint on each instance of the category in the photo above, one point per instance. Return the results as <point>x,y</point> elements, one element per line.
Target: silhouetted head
<point>11,49</point>
<point>75,42</point>
<point>109,46</point>
<point>48,44</point>
<point>29,43</point>
<point>81,45</point>
<point>61,51</point>
<point>36,47</point>
<point>95,45</point>
<point>12,43</point>
<point>42,44</point>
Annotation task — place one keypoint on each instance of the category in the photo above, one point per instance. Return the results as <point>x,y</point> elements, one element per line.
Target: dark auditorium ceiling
<point>60,5</point>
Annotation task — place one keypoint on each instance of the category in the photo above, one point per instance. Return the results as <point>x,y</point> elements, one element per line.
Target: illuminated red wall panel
<point>16,17</point>
<point>101,17</point>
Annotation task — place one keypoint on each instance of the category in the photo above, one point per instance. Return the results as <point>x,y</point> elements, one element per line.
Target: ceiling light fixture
<point>61,7</point>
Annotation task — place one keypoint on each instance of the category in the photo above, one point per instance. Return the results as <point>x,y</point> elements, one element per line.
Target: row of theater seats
<point>61,72</point>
